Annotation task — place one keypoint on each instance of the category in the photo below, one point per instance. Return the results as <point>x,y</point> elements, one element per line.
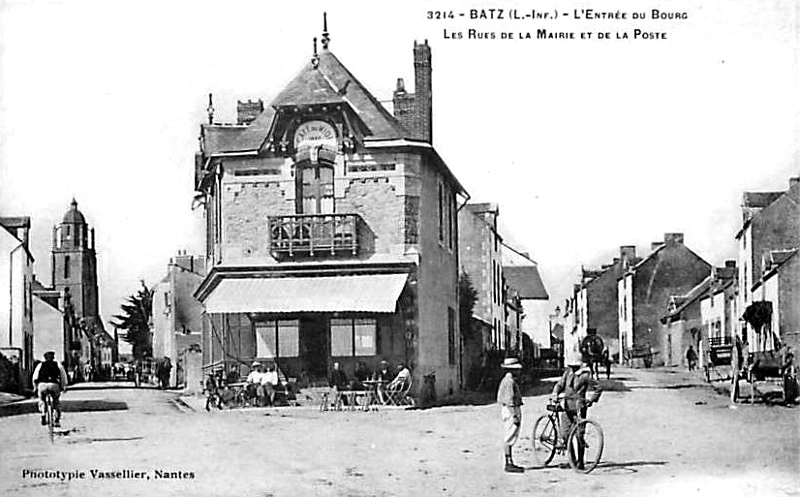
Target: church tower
<point>75,263</point>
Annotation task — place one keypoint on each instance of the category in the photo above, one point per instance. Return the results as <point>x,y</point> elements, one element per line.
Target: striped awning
<point>353,293</point>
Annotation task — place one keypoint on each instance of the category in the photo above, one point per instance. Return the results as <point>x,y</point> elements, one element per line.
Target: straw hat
<point>255,363</point>
<point>511,363</point>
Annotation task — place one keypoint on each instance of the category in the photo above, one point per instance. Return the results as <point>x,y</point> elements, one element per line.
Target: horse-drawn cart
<point>768,360</point>
<point>774,368</point>
<point>720,354</point>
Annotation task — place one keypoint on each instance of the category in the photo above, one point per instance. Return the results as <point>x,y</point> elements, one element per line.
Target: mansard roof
<point>324,81</point>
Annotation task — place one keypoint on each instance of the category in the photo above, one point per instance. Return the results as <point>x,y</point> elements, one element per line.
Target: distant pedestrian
<point>607,360</point>
<point>691,358</point>
<point>510,400</point>
<point>164,373</point>
<point>88,372</point>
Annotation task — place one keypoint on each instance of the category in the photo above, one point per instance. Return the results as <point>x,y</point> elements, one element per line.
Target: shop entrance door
<point>314,347</point>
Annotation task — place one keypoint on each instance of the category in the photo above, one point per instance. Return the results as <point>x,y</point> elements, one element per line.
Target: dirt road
<point>666,434</point>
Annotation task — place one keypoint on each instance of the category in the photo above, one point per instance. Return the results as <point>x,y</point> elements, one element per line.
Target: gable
<point>327,82</point>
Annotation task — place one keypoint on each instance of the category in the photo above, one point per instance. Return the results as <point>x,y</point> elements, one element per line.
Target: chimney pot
<point>627,252</point>
<point>673,237</point>
<point>730,263</point>
<point>247,112</point>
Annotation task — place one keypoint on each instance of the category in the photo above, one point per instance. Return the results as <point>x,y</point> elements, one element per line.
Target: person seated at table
<point>269,382</point>
<point>382,377</point>
<point>385,392</point>
<point>233,375</point>
<point>254,388</point>
<point>226,395</point>
<point>361,375</point>
<point>399,381</point>
<point>383,374</point>
<point>338,380</point>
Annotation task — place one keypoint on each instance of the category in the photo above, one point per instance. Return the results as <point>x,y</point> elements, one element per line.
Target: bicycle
<point>50,414</point>
<point>584,445</point>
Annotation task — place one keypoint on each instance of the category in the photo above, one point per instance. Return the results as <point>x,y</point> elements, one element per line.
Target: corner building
<point>331,231</point>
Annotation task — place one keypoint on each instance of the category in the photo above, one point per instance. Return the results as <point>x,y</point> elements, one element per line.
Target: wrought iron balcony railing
<point>313,235</point>
<point>720,341</point>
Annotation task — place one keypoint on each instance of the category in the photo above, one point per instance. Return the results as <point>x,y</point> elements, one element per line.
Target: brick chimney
<point>423,89</point>
<point>193,263</point>
<point>673,238</point>
<point>247,112</point>
<point>730,263</point>
<point>403,103</point>
<point>627,253</point>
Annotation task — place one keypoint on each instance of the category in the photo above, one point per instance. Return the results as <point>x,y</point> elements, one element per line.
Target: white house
<point>16,297</point>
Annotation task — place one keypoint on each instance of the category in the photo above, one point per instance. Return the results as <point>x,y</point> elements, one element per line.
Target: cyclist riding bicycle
<point>572,387</point>
<point>50,376</point>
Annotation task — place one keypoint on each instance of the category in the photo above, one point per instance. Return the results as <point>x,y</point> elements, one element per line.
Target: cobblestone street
<point>666,434</point>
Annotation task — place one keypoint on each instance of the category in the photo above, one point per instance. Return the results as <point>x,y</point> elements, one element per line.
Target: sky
<point>585,144</point>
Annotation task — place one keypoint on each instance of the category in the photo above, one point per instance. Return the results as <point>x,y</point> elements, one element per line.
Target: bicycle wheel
<point>585,445</point>
<point>48,408</point>
<point>545,435</point>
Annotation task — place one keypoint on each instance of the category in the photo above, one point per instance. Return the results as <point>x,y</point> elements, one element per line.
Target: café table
<point>373,399</point>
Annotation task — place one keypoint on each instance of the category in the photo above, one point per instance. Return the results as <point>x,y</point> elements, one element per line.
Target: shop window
<point>341,337</point>
<point>289,338</point>
<point>353,337</point>
<point>278,339</point>
<point>364,331</point>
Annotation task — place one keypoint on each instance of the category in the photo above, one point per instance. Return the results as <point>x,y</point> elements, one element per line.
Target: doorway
<point>314,347</point>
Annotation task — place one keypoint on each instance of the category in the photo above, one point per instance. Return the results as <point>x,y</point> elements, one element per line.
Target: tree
<point>135,319</point>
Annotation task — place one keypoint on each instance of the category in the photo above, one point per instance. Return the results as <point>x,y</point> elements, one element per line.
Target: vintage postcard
<point>399,248</point>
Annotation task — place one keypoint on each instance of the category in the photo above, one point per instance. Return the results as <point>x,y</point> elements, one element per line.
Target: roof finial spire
<point>210,109</point>
<point>326,39</point>
<point>315,58</point>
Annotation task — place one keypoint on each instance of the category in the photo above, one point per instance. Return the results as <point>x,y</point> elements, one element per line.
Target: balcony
<point>313,235</point>
<point>720,341</point>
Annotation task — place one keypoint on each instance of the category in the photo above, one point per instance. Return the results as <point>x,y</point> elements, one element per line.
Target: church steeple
<point>74,264</point>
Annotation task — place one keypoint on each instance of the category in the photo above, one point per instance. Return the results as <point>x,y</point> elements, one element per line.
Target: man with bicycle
<point>572,387</point>
<point>50,376</point>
